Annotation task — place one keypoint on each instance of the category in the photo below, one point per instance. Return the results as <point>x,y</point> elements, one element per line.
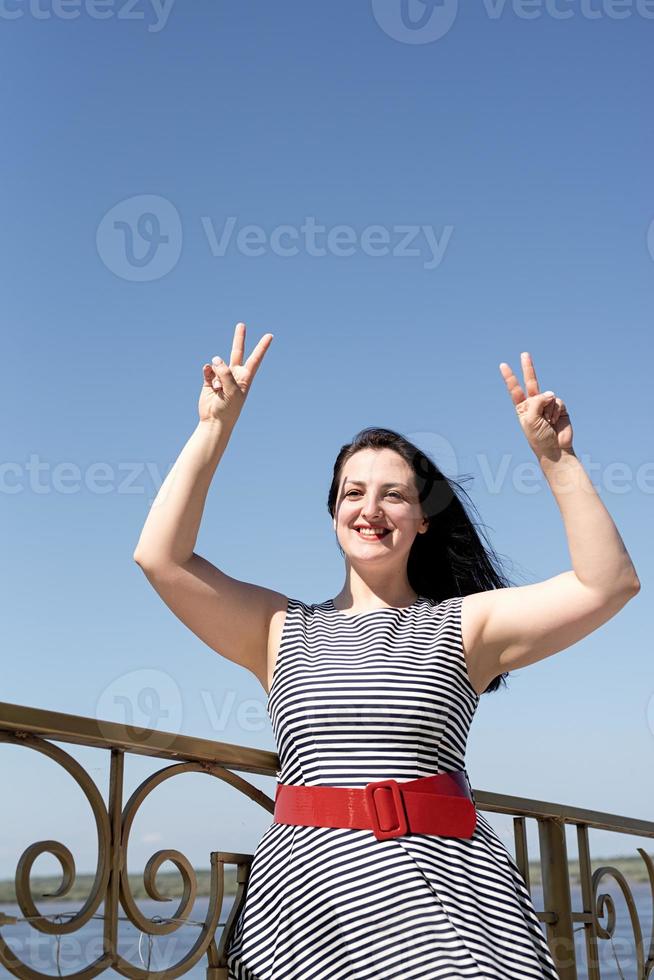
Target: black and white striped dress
<point>383,694</point>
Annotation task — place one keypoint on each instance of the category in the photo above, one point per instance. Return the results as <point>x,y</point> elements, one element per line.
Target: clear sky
<point>404,196</point>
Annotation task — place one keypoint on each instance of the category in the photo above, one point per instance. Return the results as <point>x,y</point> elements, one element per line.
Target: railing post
<point>556,895</point>
<point>115,809</point>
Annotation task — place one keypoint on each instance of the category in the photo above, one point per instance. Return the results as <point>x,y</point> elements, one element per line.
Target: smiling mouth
<point>371,535</point>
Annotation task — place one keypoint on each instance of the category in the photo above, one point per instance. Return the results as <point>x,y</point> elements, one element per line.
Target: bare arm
<point>600,560</point>
<point>230,616</point>
<point>511,628</point>
<point>171,528</point>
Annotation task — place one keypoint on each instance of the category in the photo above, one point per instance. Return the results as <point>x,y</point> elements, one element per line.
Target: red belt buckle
<point>400,813</point>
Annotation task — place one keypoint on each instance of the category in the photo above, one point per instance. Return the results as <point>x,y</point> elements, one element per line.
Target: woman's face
<point>377,489</point>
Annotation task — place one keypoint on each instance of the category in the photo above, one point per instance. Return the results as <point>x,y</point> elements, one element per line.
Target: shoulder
<point>283,610</point>
<point>482,664</point>
<point>457,628</point>
<point>289,613</point>
<point>446,610</point>
<point>474,609</point>
<point>449,613</point>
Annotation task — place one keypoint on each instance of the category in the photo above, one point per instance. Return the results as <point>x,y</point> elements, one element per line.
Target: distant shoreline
<point>170,885</point>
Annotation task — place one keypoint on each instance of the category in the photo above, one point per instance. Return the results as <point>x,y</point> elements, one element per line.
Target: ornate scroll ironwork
<point>37,730</point>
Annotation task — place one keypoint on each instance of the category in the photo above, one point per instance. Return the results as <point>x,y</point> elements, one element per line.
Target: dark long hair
<point>449,559</point>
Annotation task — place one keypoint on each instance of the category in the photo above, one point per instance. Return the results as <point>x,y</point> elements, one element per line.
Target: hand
<point>543,417</point>
<point>226,386</point>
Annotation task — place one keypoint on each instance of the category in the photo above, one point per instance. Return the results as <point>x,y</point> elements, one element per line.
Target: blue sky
<point>429,200</point>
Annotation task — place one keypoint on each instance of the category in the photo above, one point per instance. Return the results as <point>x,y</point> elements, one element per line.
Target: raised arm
<point>506,629</point>
<point>230,616</point>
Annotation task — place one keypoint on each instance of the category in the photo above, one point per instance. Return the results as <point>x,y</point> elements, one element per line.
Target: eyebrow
<point>361,483</point>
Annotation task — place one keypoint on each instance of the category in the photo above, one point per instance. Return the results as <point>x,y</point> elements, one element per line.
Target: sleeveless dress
<point>383,694</point>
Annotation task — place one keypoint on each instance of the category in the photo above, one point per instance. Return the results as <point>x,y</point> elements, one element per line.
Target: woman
<point>377,864</point>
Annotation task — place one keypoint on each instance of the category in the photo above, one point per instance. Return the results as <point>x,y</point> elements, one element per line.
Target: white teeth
<point>371,533</point>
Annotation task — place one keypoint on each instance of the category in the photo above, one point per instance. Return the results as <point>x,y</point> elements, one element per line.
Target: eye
<point>391,493</point>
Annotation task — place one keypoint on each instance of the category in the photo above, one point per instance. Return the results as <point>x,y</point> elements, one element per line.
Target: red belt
<point>439,804</point>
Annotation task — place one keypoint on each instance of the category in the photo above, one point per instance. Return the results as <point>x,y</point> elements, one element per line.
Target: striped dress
<point>383,694</point>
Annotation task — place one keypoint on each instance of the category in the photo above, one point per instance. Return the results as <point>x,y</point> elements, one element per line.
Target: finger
<point>256,357</point>
<point>529,373</point>
<point>556,411</point>
<point>512,383</point>
<point>224,375</point>
<point>561,411</point>
<point>546,404</point>
<point>209,375</point>
<point>211,379</point>
<point>238,345</point>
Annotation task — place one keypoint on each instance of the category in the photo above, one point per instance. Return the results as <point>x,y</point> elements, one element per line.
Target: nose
<point>371,511</point>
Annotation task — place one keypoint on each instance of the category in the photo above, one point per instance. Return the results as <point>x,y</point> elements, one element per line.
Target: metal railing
<point>37,729</point>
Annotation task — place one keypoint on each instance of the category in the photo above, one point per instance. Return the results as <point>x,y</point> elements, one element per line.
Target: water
<point>80,948</point>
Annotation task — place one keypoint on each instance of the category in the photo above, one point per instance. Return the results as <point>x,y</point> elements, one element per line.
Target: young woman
<point>377,864</point>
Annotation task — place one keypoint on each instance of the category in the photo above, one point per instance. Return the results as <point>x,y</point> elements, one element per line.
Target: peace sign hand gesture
<point>226,386</point>
<point>543,417</point>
